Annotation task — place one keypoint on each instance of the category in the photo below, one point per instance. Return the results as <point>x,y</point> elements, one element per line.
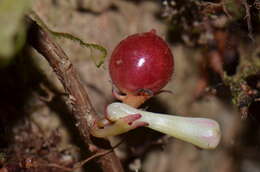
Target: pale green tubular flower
<point>202,132</point>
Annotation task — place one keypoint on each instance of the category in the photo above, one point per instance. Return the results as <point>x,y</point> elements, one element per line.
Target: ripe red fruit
<point>140,66</point>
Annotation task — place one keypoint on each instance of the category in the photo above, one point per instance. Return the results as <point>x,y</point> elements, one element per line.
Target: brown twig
<point>78,100</point>
<point>81,163</point>
<point>248,20</point>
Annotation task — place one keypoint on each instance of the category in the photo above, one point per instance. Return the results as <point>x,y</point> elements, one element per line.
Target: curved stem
<point>82,109</point>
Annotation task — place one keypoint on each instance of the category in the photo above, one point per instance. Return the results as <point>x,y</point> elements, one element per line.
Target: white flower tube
<point>202,132</point>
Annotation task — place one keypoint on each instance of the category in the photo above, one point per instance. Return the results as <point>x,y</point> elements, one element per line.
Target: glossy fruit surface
<point>141,62</point>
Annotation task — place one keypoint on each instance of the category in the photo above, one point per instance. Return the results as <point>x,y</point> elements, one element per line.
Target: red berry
<point>142,63</point>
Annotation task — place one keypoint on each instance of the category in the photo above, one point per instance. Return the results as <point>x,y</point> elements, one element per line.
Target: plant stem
<point>82,109</point>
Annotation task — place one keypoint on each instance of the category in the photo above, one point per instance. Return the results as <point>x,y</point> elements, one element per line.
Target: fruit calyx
<point>134,100</point>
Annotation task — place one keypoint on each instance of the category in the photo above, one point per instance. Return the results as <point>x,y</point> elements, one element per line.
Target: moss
<point>2,157</point>
<point>241,95</point>
<point>234,8</point>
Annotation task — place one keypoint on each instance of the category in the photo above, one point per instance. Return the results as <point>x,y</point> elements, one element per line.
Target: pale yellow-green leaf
<point>12,30</point>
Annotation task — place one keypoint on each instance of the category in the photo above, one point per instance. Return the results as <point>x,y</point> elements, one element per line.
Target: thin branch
<point>248,20</point>
<point>81,163</point>
<point>82,109</point>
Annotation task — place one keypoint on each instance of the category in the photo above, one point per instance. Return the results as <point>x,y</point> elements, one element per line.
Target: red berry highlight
<point>140,66</point>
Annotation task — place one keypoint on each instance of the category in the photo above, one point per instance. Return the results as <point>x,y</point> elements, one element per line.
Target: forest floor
<point>216,47</point>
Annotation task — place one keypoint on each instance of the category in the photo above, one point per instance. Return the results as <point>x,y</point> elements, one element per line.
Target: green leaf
<point>13,28</point>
